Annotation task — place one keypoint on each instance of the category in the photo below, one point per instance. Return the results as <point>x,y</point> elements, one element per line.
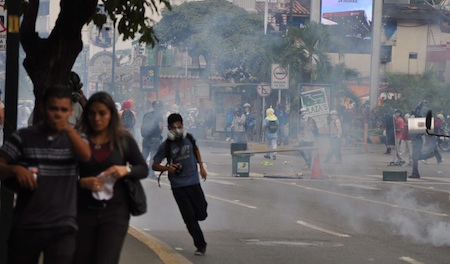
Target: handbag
<point>137,201</point>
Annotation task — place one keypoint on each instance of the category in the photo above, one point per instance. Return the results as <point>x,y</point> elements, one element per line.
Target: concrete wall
<point>411,37</point>
<point>246,4</point>
<point>359,62</point>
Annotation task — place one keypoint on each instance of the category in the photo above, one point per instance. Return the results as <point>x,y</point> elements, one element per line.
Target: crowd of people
<point>71,179</point>
<point>418,146</point>
<point>70,170</point>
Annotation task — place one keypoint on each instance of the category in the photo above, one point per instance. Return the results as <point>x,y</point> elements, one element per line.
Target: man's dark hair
<point>58,91</point>
<point>157,105</point>
<point>174,118</point>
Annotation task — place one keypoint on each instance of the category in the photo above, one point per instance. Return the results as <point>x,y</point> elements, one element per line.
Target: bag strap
<point>167,153</point>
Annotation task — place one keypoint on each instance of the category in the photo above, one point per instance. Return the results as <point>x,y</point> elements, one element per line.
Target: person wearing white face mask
<point>182,155</point>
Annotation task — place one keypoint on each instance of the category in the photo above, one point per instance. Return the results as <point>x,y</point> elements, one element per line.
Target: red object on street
<point>316,170</point>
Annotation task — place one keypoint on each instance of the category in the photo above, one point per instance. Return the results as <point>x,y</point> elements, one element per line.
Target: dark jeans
<point>150,146</point>
<point>239,137</point>
<point>306,154</point>
<point>417,145</point>
<point>26,245</point>
<point>192,204</point>
<point>228,131</point>
<point>335,150</point>
<point>101,234</point>
<point>249,133</point>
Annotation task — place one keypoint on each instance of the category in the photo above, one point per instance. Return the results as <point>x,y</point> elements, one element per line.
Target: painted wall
<point>411,37</point>
<point>359,62</point>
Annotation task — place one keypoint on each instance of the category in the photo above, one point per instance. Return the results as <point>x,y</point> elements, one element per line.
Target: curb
<point>167,254</point>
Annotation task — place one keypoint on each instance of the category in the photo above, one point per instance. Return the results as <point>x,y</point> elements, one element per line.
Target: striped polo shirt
<point>53,203</point>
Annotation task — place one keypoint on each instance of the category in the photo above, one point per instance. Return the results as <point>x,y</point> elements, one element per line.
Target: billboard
<point>315,98</point>
<point>349,23</point>
<point>149,78</point>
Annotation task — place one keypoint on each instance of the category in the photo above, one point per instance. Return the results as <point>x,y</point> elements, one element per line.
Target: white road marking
<point>322,229</point>
<point>410,260</point>
<point>221,182</point>
<point>361,199</point>
<point>358,186</point>
<point>232,202</point>
<point>223,200</point>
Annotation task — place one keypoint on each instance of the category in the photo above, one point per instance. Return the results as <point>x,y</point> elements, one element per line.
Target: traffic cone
<point>316,170</point>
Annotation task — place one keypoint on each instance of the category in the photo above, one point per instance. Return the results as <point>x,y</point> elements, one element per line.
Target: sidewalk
<point>136,252</point>
<point>143,248</point>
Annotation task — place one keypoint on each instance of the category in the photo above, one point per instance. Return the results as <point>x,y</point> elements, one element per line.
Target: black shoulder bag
<point>137,200</point>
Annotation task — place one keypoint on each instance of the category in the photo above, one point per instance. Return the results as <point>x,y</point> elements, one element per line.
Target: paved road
<point>348,216</point>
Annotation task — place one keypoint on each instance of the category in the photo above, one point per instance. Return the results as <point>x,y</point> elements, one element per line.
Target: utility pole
<point>10,124</point>
<point>266,15</point>
<point>113,66</point>
<point>376,48</point>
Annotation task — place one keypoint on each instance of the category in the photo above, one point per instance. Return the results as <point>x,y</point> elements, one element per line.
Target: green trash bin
<point>240,162</point>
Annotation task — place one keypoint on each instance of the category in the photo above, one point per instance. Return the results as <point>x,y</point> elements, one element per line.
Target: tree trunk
<point>49,61</point>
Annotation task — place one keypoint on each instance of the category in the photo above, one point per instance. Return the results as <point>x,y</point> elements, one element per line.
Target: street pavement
<point>361,161</point>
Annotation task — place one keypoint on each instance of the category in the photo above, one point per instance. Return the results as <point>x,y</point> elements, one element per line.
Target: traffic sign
<point>280,77</point>
<point>263,89</point>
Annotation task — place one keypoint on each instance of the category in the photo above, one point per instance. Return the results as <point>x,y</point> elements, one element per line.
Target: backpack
<point>249,121</point>
<point>167,147</point>
<point>272,127</point>
<point>315,129</point>
<point>167,152</point>
<point>150,126</point>
<point>128,119</point>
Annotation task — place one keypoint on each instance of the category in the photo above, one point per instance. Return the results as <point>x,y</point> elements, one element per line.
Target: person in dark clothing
<point>151,130</point>
<point>103,212</point>
<point>183,155</point>
<point>40,163</point>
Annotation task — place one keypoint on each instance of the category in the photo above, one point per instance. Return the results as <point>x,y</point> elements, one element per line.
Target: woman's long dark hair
<point>117,133</point>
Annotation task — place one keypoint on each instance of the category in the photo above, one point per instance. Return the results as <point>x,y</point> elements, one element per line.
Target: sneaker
<point>232,140</point>
<point>392,163</point>
<point>414,176</point>
<point>200,252</point>
<point>228,139</point>
<point>274,157</point>
<point>440,161</point>
<point>267,156</point>
<point>424,161</point>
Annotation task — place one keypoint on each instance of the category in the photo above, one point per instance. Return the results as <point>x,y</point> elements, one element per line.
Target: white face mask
<point>176,134</point>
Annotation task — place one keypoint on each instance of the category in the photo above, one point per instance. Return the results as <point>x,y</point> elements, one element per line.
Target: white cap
<point>247,105</point>
<point>303,109</point>
<point>440,116</point>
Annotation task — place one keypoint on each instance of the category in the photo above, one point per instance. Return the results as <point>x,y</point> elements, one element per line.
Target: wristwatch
<point>128,168</point>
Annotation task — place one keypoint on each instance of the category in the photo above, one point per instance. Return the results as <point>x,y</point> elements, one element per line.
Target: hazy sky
<point>347,5</point>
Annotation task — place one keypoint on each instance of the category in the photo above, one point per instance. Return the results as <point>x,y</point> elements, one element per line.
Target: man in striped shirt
<point>39,163</point>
